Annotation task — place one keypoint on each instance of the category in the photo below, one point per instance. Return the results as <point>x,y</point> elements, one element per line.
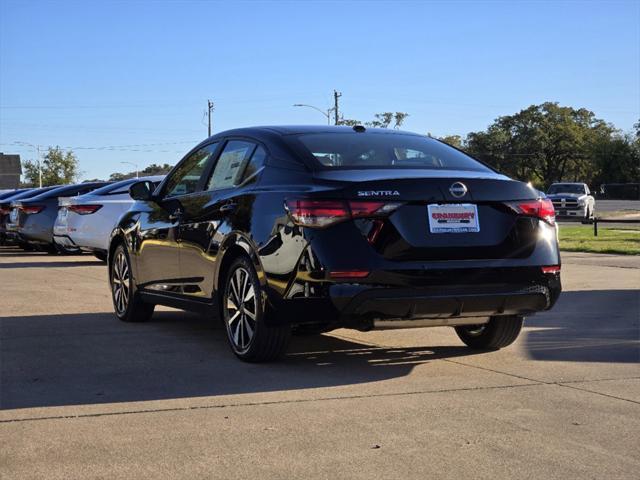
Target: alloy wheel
<point>241,309</point>
<point>476,330</point>
<point>120,282</point>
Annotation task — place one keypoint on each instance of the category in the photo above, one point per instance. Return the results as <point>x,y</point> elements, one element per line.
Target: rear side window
<point>185,178</point>
<point>255,163</point>
<point>232,164</point>
<point>375,150</point>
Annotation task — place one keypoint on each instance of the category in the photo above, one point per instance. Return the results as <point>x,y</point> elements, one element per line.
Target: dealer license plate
<point>453,218</point>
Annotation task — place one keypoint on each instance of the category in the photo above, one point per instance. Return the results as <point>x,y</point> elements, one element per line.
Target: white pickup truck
<point>572,200</point>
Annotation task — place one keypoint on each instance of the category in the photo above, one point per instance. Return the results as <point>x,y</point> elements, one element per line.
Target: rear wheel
<point>243,313</point>
<point>498,333</point>
<point>26,247</point>
<point>127,304</point>
<point>51,249</point>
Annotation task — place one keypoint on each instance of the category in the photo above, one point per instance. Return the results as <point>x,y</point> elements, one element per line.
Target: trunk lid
<point>409,234</point>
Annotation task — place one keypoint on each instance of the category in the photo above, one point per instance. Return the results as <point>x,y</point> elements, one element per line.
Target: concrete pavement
<point>85,396</point>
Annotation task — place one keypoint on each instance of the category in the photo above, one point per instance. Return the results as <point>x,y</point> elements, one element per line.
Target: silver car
<point>84,223</point>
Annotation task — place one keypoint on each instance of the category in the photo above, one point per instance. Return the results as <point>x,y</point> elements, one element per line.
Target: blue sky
<point>136,75</point>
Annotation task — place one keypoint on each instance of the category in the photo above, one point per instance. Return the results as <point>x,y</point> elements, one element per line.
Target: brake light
<point>317,213</point>
<point>349,274</point>
<point>541,208</point>
<point>322,213</point>
<point>551,269</point>
<point>84,209</point>
<point>31,209</point>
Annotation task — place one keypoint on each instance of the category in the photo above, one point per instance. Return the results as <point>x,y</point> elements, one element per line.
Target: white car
<point>572,201</point>
<point>84,223</point>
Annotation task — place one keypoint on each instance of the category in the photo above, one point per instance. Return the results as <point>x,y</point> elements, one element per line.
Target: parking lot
<point>86,396</point>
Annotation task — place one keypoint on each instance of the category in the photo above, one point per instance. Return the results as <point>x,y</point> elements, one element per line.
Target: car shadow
<point>76,359</point>
<point>54,263</point>
<point>588,326</point>
<point>18,252</point>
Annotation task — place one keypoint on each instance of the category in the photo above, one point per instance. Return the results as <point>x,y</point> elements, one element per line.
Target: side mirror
<point>142,190</point>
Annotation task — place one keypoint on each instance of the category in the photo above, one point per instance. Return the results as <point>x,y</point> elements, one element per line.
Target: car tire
<point>498,333</point>
<point>127,304</point>
<point>244,314</point>
<point>51,249</point>
<point>26,247</point>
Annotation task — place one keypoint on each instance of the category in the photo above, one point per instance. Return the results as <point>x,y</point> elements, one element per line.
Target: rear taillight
<point>5,211</point>
<point>322,213</point>
<point>551,269</point>
<point>541,208</point>
<point>84,209</point>
<point>31,209</point>
<point>349,274</point>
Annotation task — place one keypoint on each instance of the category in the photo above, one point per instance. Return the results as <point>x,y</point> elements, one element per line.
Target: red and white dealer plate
<point>453,218</point>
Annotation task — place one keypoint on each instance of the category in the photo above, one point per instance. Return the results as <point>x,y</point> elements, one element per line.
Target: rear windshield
<point>112,186</point>
<point>379,150</point>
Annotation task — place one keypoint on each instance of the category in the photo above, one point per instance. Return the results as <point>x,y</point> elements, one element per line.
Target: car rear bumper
<point>64,241</point>
<point>449,302</point>
<point>358,305</point>
<point>568,212</point>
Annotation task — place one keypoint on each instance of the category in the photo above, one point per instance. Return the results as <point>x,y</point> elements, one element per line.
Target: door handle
<point>228,207</point>
<point>176,215</point>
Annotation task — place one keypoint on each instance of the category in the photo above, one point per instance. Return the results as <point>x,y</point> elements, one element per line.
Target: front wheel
<point>498,333</point>
<point>127,304</point>
<point>243,312</point>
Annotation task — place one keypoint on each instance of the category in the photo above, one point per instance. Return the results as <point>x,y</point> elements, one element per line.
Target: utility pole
<point>336,96</point>
<point>209,110</point>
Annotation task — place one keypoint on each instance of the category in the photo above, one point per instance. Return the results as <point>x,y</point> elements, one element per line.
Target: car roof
<point>60,191</point>
<point>122,183</point>
<point>33,192</point>
<point>305,129</point>
<point>11,193</point>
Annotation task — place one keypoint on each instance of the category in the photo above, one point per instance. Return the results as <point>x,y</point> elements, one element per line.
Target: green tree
<point>153,169</point>
<point>544,143</point>
<point>616,159</point>
<point>58,168</point>
<point>453,140</point>
<point>380,120</point>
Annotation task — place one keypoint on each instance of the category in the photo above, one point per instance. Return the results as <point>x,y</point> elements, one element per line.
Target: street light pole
<point>327,114</point>
<point>135,166</point>
<point>39,166</point>
<point>37,149</point>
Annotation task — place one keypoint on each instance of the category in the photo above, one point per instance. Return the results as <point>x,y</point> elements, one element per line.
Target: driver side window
<point>187,176</point>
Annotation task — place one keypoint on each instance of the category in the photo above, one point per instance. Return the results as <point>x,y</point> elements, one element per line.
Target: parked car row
<point>65,219</point>
<point>307,229</point>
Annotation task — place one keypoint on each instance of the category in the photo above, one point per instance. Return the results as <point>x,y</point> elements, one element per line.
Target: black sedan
<point>308,229</point>
<point>31,219</point>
